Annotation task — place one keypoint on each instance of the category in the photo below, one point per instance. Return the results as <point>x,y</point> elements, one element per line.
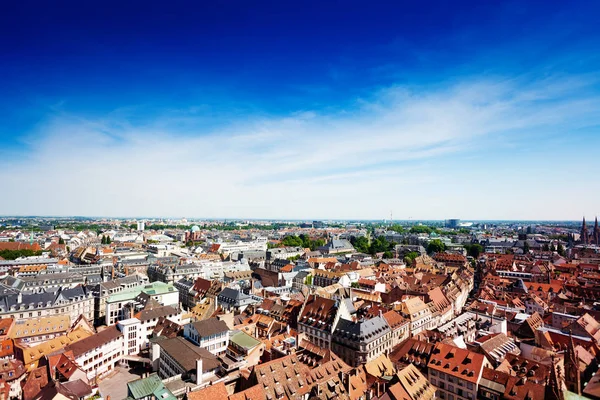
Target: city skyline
<point>315,112</point>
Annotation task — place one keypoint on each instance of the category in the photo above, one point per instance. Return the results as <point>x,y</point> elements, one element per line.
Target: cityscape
<point>284,200</point>
<point>195,309</point>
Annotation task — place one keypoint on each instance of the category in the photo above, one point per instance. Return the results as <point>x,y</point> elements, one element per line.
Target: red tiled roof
<point>212,392</point>
<point>460,363</point>
<point>19,246</point>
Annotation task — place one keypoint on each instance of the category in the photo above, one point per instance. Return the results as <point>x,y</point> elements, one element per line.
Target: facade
<point>235,300</point>
<point>178,357</point>
<point>163,293</point>
<point>104,290</point>
<point>72,302</point>
<point>319,317</point>
<point>98,354</point>
<point>210,334</point>
<point>361,341</point>
<point>418,313</point>
<point>455,372</point>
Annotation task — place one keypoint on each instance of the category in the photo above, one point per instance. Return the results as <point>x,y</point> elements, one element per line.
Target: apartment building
<point>104,290</point>
<point>418,313</point>
<point>72,302</point>
<point>98,354</point>
<point>319,317</point>
<point>116,309</point>
<point>358,342</point>
<point>35,330</point>
<point>210,334</point>
<point>456,372</point>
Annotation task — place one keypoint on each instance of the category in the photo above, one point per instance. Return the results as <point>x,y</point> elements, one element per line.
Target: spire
<point>572,374</point>
<point>584,233</point>
<point>553,383</point>
<point>596,233</point>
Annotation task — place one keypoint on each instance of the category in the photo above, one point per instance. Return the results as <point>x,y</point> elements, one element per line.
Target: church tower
<point>572,374</point>
<point>554,383</point>
<point>596,234</point>
<point>584,233</point>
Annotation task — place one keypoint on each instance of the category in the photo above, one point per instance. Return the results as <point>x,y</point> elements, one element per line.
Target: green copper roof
<point>151,385</point>
<point>244,340</point>
<point>154,288</point>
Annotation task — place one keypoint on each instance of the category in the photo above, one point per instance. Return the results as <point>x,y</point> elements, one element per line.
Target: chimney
<point>199,371</point>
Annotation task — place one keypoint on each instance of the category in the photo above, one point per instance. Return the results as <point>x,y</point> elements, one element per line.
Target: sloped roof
<point>152,385</point>
<point>209,327</point>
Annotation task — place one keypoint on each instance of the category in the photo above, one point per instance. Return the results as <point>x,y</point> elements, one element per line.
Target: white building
<point>98,355</point>
<point>210,334</point>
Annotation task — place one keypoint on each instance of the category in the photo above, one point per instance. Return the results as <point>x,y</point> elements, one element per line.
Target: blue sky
<point>473,110</point>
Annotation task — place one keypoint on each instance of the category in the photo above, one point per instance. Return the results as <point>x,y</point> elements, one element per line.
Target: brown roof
<point>7,348</point>
<point>212,392</point>
<point>210,327</point>
<point>91,342</point>
<point>36,381</point>
<point>163,311</point>
<point>284,377</point>
<point>19,246</point>
<point>514,388</point>
<point>201,286</point>
<point>256,392</point>
<point>460,363</point>
<point>318,309</point>
<point>187,353</point>
<point>394,319</point>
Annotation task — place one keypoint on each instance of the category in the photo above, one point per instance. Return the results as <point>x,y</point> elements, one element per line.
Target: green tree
<point>14,254</point>
<point>292,241</point>
<point>436,246</point>
<point>103,240</point>
<point>545,247</point>
<point>361,244</point>
<point>474,250</point>
<point>421,229</point>
<point>380,245</point>
<point>410,257</point>
<point>561,250</point>
<point>396,228</point>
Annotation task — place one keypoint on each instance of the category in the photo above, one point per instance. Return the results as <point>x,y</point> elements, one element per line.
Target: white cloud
<point>390,152</point>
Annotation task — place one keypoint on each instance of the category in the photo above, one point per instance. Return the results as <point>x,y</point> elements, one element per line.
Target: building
<point>210,334</point>
<point>235,300</point>
<point>97,355</point>
<point>149,388</point>
<point>172,274</point>
<point>412,384</point>
<point>452,223</point>
<point>35,330</point>
<point>358,342</point>
<point>178,357</point>
<point>400,327</point>
<point>418,313</point>
<point>104,290</point>
<point>455,372</point>
<point>319,317</point>
<point>337,246</point>
<point>72,302</point>
<point>164,294</point>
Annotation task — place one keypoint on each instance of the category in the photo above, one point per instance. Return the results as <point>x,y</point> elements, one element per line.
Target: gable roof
<point>209,327</point>
<point>212,392</point>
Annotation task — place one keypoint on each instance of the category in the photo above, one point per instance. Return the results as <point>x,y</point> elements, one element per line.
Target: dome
<point>195,228</point>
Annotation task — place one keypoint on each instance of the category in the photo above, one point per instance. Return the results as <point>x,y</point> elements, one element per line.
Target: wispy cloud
<point>389,151</point>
